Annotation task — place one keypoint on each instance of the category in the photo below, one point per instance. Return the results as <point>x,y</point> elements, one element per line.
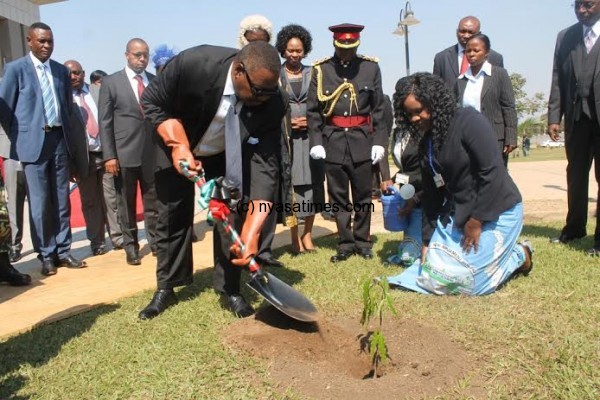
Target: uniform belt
<point>49,128</point>
<point>350,121</point>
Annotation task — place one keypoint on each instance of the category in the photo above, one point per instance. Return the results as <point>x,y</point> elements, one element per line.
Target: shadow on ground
<point>39,347</point>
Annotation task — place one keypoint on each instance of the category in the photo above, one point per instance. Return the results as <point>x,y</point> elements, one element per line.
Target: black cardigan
<point>476,182</point>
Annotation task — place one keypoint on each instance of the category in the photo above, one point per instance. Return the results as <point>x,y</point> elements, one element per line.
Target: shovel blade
<point>284,297</point>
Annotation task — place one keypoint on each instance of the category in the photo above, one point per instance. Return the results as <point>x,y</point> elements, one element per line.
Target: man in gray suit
<point>449,63</point>
<point>127,145</point>
<point>16,191</point>
<point>574,94</point>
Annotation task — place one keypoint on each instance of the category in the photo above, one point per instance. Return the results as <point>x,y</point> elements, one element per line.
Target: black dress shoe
<point>132,256</point>
<point>367,254</point>
<point>563,238</point>
<point>162,299</point>
<point>15,255</point>
<point>238,305</point>
<point>98,251</point>
<point>270,262</point>
<point>13,277</point>
<point>48,268</point>
<point>71,262</point>
<point>341,256</point>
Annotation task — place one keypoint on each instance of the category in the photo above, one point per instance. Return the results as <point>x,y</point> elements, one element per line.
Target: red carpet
<point>77,220</point>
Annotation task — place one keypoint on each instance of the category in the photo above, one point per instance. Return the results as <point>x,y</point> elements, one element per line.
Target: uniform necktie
<point>91,125</point>
<point>233,146</point>
<point>588,39</point>
<point>464,65</point>
<point>47,97</point>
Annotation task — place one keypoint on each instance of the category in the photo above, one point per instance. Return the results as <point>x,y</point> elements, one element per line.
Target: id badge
<point>402,179</point>
<point>439,181</point>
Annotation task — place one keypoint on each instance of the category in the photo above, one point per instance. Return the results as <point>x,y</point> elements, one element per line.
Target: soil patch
<point>326,362</point>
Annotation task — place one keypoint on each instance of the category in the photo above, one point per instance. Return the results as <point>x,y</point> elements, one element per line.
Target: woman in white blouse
<point>488,89</point>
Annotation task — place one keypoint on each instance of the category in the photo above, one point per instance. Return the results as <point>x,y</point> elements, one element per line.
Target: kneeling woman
<point>469,199</point>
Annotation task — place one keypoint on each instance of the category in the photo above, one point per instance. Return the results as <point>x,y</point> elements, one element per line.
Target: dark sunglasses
<point>588,5</point>
<point>77,73</point>
<point>259,92</point>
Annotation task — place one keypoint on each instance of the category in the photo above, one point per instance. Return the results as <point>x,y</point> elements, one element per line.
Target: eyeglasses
<point>140,55</point>
<point>77,73</point>
<point>259,92</point>
<point>588,5</point>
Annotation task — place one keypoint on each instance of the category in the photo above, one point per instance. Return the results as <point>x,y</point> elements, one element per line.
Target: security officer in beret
<point>346,129</point>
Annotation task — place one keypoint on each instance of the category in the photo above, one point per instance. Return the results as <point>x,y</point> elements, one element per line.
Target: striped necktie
<point>48,97</point>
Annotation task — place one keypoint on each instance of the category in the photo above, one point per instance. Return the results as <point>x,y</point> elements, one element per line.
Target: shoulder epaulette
<point>321,60</point>
<point>368,58</point>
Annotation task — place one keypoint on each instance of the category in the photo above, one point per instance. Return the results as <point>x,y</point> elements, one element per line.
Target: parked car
<point>552,143</point>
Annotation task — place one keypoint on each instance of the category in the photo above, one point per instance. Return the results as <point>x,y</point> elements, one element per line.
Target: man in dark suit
<point>346,128</point>
<point>36,111</point>
<point>574,95</point>
<point>449,63</point>
<point>91,187</point>
<point>225,108</point>
<point>127,145</point>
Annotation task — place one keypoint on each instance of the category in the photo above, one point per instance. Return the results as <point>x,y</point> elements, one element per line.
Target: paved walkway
<point>108,278</point>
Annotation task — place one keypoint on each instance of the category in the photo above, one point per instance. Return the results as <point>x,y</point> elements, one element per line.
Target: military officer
<point>346,128</point>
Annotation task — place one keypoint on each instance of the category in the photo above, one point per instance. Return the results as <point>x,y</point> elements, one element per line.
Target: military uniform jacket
<point>365,76</point>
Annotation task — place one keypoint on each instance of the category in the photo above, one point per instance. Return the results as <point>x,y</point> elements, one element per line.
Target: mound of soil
<point>325,361</point>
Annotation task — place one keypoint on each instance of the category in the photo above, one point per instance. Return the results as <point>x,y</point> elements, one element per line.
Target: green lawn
<point>541,154</point>
<point>539,336</point>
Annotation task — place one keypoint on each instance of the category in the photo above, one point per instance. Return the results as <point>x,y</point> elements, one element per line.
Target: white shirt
<point>213,140</point>
<point>595,29</point>
<point>133,82</point>
<point>93,143</point>
<point>48,72</point>
<point>472,95</point>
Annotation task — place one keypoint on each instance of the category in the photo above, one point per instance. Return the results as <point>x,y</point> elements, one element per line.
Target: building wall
<point>15,18</point>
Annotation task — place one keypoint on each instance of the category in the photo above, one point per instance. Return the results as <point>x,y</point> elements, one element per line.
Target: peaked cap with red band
<point>346,35</point>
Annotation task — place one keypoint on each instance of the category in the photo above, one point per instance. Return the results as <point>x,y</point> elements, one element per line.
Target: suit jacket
<point>497,103</point>
<point>124,133</point>
<point>477,183</point>
<point>190,88</point>
<point>365,75</point>
<point>568,57</point>
<point>445,64</point>
<point>22,111</point>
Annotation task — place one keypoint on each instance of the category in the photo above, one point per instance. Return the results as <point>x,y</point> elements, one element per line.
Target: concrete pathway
<point>108,278</point>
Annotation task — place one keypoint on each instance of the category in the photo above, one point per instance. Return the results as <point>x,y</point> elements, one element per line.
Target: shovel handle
<point>253,265</point>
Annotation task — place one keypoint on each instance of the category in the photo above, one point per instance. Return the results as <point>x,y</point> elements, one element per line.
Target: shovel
<point>278,293</point>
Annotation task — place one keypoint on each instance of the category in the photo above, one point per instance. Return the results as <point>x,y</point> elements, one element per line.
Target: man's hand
<point>112,166</point>
<point>471,235</point>
<point>250,234</point>
<point>383,186</point>
<point>377,153</point>
<point>173,135</point>
<point>318,153</point>
<point>508,149</point>
<point>553,132</point>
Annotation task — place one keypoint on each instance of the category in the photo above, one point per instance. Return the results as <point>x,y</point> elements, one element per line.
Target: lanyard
<point>430,157</point>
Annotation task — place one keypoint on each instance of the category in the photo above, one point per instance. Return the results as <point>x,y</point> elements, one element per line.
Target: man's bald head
<point>467,27</point>
<point>76,72</point>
